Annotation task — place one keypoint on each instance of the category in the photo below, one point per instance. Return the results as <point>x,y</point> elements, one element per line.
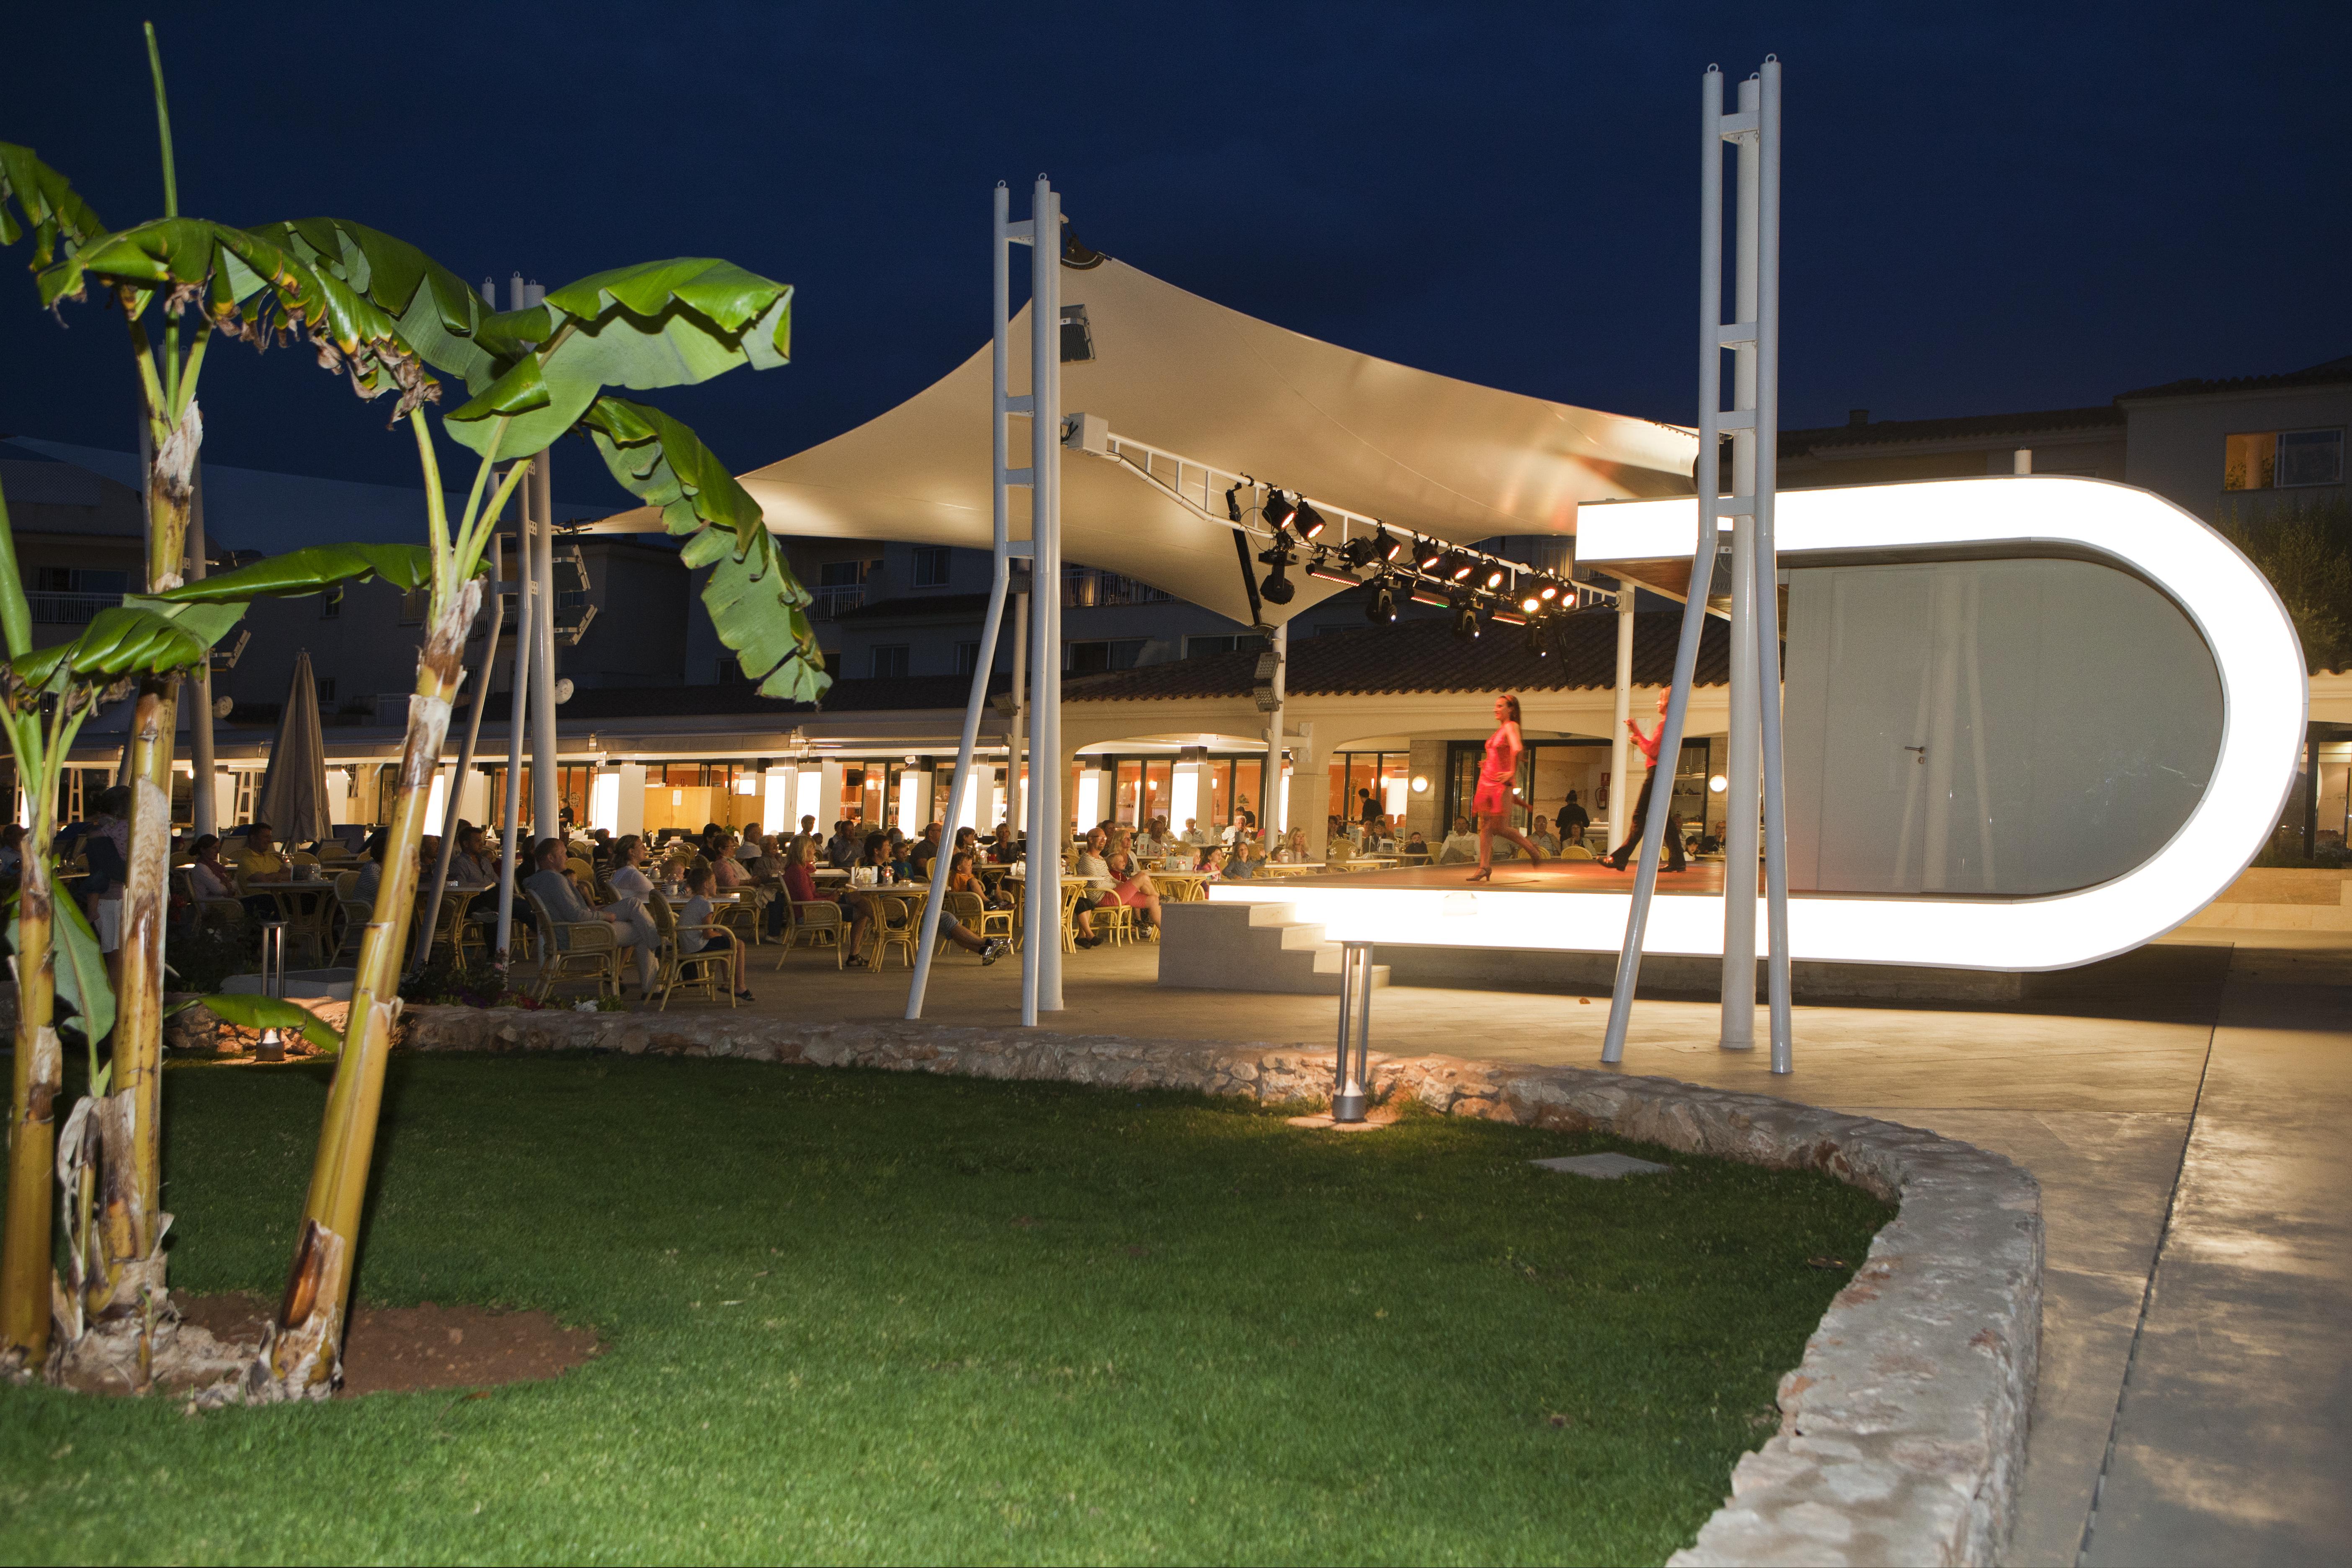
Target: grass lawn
<point>867,1316</point>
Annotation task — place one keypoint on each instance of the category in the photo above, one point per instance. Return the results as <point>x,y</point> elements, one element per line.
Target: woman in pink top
<point>1495,792</point>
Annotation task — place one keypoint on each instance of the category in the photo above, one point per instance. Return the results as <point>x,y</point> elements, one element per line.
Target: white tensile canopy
<point>1424,453</point>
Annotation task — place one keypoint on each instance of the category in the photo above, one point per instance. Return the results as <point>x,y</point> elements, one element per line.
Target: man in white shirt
<point>1192,833</point>
<point>1460,844</point>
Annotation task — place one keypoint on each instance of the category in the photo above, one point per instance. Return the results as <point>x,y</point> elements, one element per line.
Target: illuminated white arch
<point>2263,696</point>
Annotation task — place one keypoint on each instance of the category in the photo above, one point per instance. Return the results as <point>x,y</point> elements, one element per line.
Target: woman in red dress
<point>1495,789</point>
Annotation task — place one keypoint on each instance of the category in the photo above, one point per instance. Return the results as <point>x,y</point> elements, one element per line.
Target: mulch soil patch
<point>399,1349</point>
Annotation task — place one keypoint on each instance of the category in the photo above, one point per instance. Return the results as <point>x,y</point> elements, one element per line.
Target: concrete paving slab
<point>2234,1437</point>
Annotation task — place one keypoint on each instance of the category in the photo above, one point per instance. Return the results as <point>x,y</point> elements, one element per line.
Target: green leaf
<point>207,623</point>
<point>251,288</point>
<point>759,609</point>
<point>37,197</point>
<point>80,968</point>
<point>117,642</point>
<point>308,571</point>
<point>437,312</point>
<point>247,1010</point>
<point>536,409</point>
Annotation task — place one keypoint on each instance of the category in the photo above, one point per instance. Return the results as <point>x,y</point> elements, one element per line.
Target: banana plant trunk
<point>132,1280</point>
<point>25,1262</point>
<point>301,1356</point>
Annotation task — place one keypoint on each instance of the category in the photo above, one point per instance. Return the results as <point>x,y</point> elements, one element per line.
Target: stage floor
<point>1704,878</point>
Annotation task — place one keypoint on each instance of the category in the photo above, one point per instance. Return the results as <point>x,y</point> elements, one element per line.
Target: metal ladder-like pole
<point>1702,572</point>
<point>1743,793</point>
<point>999,580</point>
<point>1767,591</point>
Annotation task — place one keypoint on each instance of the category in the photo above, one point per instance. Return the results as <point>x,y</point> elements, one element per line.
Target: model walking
<point>1648,746</point>
<point>1495,789</point>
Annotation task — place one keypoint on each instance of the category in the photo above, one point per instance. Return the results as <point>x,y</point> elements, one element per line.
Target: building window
<point>730,672</point>
<point>1195,648</point>
<point>327,689</point>
<point>1095,657</point>
<point>413,605</point>
<point>2281,460</point>
<point>79,580</point>
<point>331,606</point>
<point>966,657</point>
<point>840,585</point>
<point>930,566</point>
<point>889,661</point>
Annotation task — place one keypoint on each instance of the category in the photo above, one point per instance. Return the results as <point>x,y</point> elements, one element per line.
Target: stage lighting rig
<point>1331,570</point>
<point>1465,618</point>
<point>1278,588</point>
<point>1278,510</point>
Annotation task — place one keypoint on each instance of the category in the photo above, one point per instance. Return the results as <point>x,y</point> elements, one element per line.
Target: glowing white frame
<point>2264,695</point>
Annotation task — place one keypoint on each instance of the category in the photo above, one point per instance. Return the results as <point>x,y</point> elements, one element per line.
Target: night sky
<point>1987,208</point>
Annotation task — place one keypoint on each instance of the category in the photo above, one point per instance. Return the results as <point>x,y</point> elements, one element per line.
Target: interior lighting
<point>1466,620</point>
<point>1719,784</point>
<point>1306,522</point>
<point>1379,606</point>
<point>1419,785</point>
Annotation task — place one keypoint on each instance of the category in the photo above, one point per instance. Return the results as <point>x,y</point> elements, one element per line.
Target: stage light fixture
<point>1531,605</point>
<point>1466,620</point>
<point>1387,546</point>
<point>1428,554</point>
<point>1493,575</point>
<point>1427,594</point>
<point>1361,552</point>
<point>1330,570</point>
<point>1278,510</point>
<point>1456,567</point>
<point>1540,637</point>
<point>1305,522</point>
<point>1549,591</point>
<point>1278,588</point>
<point>1379,606</point>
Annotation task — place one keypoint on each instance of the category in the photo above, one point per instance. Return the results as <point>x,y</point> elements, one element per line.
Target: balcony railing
<point>835,598</point>
<point>1082,587</point>
<point>69,609</point>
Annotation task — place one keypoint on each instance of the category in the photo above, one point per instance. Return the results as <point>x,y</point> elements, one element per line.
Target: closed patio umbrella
<point>294,791</point>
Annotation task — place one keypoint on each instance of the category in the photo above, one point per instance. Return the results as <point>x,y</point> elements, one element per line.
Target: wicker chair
<point>816,923</point>
<point>895,925</point>
<point>576,950</point>
<point>711,971</point>
<point>969,911</point>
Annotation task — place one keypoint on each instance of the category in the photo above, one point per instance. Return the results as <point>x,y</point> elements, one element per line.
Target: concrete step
<point>1249,947</point>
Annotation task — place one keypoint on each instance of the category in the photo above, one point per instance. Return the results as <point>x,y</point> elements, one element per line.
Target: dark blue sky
<point>1987,207</point>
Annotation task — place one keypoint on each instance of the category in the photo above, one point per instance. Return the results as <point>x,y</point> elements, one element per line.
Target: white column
<point>1740,803</point>
<point>1050,818</point>
<point>1270,773</point>
<point>828,795</point>
<point>1016,755</point>
<point>1621,788</point>
<point>545,815</point>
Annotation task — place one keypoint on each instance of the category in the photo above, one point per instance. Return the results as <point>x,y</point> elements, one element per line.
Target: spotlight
<point>1278,510</point>
<point>1457,567</point>
<point>1387,546</point>
<point>1493,576</point>
<point>1331,570</point>
<point>1532,605</point>
<point>1278,588</point>
<point>1428,554</point>
<point>1466,620</point>
<point>1550,591</point>
<point>1306,522</point>
<point>1361,552</point>
<point>1380,607</point>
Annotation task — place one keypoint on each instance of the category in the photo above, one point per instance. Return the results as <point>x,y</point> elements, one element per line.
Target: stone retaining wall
<point>1902,1430</point>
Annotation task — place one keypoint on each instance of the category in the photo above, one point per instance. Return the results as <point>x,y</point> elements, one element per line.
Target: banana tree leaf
<point>251,289</point>
<point>309,571</point>
<point>758,608</point>
<point>80,968</point>
<point>248,1011</point>
<point>437,312</point>
<point>208,623</point>
<point>661,324</point>
<point>116,643</point>
<point>37,197</point>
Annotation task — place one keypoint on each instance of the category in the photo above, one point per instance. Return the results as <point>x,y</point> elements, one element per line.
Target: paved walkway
<point>2234,1048</point>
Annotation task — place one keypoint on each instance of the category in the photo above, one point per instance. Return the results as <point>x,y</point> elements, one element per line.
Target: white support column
<point>1710,503</point>
<point>1050,819</point>
<point>1621,745</point>
<point>1270,773</point>
<point>828,795</point>
<point>1016,755</point>
<point>1740,796</point>
<point>1767,573</point>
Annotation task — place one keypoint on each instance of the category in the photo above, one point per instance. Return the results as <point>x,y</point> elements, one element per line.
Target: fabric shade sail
<point>1424,453</point>
<point>293,798</point>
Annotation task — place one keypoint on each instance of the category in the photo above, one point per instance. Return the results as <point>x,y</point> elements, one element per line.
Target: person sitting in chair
<point>560,896</point>
<point>701,881</point>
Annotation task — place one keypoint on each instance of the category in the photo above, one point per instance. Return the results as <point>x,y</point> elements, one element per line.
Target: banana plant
<point>46,696</point>
<point>206,278</point>
<point>533,374</point>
